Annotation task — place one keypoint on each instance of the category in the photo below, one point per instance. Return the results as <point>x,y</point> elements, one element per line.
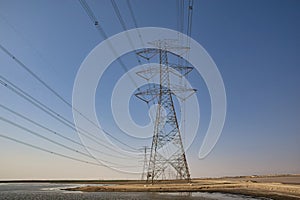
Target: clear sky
<point>254,43</point>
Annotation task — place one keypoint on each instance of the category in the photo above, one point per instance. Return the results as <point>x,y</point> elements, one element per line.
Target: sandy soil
<point>275,187</point>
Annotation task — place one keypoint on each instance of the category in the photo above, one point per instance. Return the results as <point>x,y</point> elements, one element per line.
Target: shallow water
<point>47,191</point>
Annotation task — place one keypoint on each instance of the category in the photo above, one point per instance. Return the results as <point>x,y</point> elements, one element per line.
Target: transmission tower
<point>144,174</point>
<point>167,149</point>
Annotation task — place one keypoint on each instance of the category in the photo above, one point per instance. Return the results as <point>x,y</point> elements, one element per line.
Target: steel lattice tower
<point>166,130</point>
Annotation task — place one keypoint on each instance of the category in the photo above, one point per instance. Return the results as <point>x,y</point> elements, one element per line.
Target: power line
<point>59,96</point>
<point>118,13</point>
<point>28,43</point>
<point>52,152</point>
<point>34,75</point>
<point>49,111</point>
<point>100,29</point>
<point>122,22</point>
<point>96,23</point>
<point>55,132</point>
<point>42,106</point>
<point>98,26</point>
<point>43,137</point>
<point>132,13</point>
<point>134,21</point>
<point>52,141</point>
<point>142,42</point>
<point>190,17</point>
<point>180,15</point>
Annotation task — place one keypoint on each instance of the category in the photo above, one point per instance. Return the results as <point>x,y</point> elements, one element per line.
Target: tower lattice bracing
<point>167,151</point>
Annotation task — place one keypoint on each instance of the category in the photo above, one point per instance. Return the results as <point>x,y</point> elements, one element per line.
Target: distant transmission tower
<point>144,174</point>
<point>167,151</point>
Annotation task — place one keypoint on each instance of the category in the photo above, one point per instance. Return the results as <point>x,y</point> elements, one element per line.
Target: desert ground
<point>272,186</point>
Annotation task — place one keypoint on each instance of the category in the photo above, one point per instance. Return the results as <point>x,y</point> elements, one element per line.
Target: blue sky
<point>255,45</point>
